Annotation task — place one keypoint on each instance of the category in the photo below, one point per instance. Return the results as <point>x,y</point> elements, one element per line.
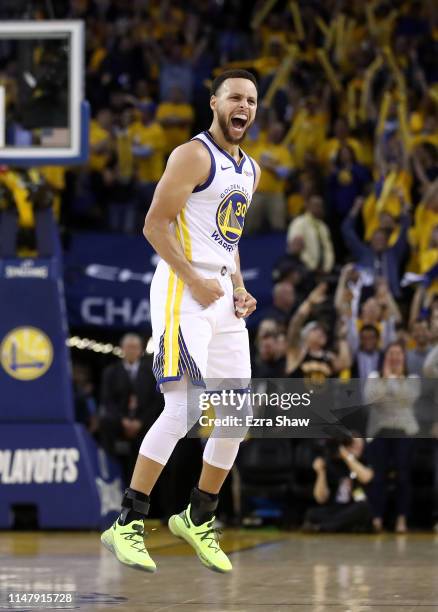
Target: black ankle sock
<point>202,506</point>
<point>127,516</point>
<point>135,507</point>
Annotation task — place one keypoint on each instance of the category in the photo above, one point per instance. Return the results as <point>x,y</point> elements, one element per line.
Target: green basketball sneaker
<point>127,543</point>
<point>203,538</point>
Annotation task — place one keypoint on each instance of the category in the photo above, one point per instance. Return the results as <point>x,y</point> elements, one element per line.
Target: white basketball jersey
<point>210,225</point>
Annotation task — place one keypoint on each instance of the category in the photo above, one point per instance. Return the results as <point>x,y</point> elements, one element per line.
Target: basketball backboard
<point>43,116</point>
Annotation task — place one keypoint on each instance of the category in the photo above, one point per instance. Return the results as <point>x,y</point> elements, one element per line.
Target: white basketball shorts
<point>205,343</point>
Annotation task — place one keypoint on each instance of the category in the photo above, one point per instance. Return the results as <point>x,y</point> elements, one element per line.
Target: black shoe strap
<point>137,501</point>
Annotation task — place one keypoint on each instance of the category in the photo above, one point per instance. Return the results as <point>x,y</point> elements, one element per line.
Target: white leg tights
<point>173,424</point>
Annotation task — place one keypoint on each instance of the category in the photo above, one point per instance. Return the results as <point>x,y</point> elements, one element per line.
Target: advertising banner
<point>107,277</point>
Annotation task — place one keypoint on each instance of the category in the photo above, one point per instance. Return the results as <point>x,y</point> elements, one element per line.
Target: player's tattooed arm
<point>187,167</point>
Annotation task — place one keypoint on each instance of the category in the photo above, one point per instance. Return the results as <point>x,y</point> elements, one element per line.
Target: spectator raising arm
<point>416,304</point>
<point>342,359</point>
<point>357,247</point>
<point>342,304</point>
<point>317,296</point>
<point>386,301</point>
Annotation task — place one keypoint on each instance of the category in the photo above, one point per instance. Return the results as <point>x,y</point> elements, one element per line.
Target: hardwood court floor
<point>272,571</point>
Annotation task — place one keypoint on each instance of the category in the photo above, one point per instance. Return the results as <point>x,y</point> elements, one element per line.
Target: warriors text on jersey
<point>210,225</point>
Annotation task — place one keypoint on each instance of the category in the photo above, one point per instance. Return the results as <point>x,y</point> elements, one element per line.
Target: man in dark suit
<point>129,403</point>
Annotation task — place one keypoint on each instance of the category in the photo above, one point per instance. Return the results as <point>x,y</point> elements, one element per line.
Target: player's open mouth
<point>239,122</point>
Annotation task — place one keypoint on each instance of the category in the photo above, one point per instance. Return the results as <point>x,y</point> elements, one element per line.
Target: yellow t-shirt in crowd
<point>270,182</point>
<point>330,149</point>
<point>425,220</point>
<point>15,183</point>
<point>97,135</point>
<point>149,169</point>
<point>175,134</point>
<point>295,205</point>
<point>428,259</point>
<point>308,133</point>
<point>54,175</point>
<point>372,223</point>
<point>125,157</point>
<point>388,202</point>
<point>252,145</point>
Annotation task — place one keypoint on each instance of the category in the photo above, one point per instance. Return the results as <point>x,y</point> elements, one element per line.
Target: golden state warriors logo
<point>230,216</point>
<point>26,353</point>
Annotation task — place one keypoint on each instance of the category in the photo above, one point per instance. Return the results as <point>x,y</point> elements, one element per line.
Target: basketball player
<point>198,303</point>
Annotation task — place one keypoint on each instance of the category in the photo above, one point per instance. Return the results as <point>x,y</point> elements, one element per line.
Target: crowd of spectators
<point>347,139</point>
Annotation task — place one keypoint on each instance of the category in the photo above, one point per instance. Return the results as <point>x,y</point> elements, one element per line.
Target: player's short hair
<point>231,74</point>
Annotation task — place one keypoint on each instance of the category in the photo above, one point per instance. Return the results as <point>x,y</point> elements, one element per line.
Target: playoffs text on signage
<point>39,465</point>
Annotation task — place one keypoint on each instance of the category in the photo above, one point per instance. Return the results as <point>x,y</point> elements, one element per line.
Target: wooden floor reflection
<point>272,571</point>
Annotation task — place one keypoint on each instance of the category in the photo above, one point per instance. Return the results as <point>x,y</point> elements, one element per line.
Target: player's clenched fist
<point>206,291</point>
<point>244,303</point>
